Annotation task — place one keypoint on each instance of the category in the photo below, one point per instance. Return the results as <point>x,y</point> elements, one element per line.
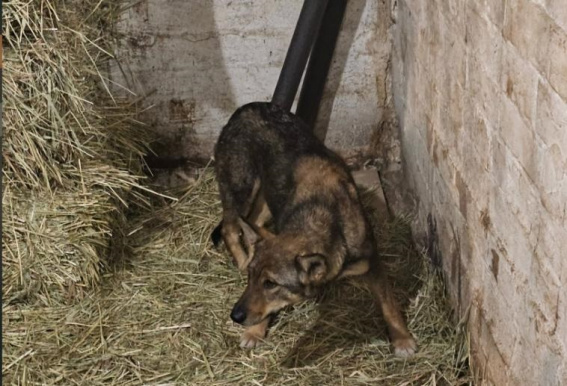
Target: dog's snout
<point>238,314</point>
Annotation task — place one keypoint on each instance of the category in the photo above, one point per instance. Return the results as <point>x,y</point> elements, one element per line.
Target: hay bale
<point>54,112</point>
<point>72,154</point>
<point>54,243</point>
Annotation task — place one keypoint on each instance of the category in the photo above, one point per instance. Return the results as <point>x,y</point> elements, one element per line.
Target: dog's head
<point>282,271</point>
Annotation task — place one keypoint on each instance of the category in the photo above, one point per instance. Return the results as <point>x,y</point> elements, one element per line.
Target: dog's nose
<point>238,314</point>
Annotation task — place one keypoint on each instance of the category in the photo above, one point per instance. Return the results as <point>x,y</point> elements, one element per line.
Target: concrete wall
<point>480,90</point>
<point>195,62</point>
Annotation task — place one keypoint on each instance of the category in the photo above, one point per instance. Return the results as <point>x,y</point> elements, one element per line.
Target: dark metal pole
<point>320,62</point>
<point>305,33</point>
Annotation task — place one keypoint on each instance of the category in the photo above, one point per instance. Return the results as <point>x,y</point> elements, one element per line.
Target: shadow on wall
<point>209,62</point>
<point>351,21</point>
<point>201,60</point>
<point>173,58</point>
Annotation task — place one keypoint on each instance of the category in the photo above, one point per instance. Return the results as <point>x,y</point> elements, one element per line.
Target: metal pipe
<point>320,62</point>
<point>300,46</point>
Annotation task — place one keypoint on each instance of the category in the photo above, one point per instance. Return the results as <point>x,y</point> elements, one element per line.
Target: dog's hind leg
<point>237,202</point>
<point>260,213</point>
<point>231,236</point>
<point>402,341</point>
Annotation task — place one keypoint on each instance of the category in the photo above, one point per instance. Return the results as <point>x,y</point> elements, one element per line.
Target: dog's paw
<point>250,339</point>
<point>404,347</point>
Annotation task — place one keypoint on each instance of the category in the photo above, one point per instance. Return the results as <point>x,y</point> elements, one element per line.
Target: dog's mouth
<point>247,317</point>
<point>252,321</point>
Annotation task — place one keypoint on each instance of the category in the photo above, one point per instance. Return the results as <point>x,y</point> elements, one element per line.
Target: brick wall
<point>480,91</point>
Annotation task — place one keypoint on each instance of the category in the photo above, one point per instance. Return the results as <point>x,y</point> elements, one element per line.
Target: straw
<point>71,152</point>
<point>161,317</point>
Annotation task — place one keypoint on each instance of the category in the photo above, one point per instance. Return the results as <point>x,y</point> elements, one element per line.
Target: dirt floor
<point>161,317</point>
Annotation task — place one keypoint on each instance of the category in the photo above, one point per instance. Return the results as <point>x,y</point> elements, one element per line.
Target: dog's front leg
<point>402,341</point>
<point>253,335</point>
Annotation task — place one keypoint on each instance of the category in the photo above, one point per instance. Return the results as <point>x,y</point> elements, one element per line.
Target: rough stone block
<point>496,371</point>
<point>475,170</point>
<point>513,245</point>
<point>479,130</point>
<point>497,311</point>
<point>551,245</point>
<point>557,60</point>
<point>520,193</point>
<point>483,92</point>
<point>484,40</point>
<point>548,174</point>
<point>557,10</point>
<point>551,119</point>
<point>451,100</point>
<point>527,27</point>
<point>519,82</point>
<point>544,302</point>
<point>492,10</point>
<point>516,134</point>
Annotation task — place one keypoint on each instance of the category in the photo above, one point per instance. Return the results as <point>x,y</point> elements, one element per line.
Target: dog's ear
<point>312,268</point>
<point>250,235</point>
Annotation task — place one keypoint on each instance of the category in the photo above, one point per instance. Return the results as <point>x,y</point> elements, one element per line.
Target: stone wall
<point>480,92</point>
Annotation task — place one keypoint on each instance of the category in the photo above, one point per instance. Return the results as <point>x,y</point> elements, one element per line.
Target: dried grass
<point>71,153</point>
<point>54,113</point>
<point>161,317</point>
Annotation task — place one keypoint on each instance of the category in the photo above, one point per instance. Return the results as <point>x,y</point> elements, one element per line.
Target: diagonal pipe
<point>320,62</point>
<point>306,31</point>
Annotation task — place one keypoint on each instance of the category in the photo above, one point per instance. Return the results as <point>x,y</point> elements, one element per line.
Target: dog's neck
<point>313,232</point>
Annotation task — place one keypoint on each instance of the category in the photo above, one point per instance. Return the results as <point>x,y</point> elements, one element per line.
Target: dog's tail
<point>216,235</point>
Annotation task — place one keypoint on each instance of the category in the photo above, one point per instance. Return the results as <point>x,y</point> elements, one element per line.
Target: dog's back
<point>262,141</point>
<point>306,186</point>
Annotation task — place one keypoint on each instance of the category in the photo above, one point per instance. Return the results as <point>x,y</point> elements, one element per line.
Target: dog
<point>270,166</point>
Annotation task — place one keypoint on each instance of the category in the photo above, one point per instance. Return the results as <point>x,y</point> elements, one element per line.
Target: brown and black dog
<point>270,164</point>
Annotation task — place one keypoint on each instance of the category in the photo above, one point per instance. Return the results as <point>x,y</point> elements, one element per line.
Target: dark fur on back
<point>269,141</point>
<point>266,142</point>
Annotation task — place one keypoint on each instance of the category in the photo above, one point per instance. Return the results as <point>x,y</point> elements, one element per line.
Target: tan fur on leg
<point>402,341</point>
<point>260,213</point>
<point>231,235</point>
<point>253,335</point>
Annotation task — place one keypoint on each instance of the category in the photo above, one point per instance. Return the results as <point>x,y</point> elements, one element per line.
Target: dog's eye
<point>268,284</point>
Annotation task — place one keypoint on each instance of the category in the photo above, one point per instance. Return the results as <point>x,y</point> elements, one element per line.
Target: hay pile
<point>71,153</point>
<point>161,317</point>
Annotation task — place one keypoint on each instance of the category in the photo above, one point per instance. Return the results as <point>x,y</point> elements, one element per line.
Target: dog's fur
<point>268,163</point>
